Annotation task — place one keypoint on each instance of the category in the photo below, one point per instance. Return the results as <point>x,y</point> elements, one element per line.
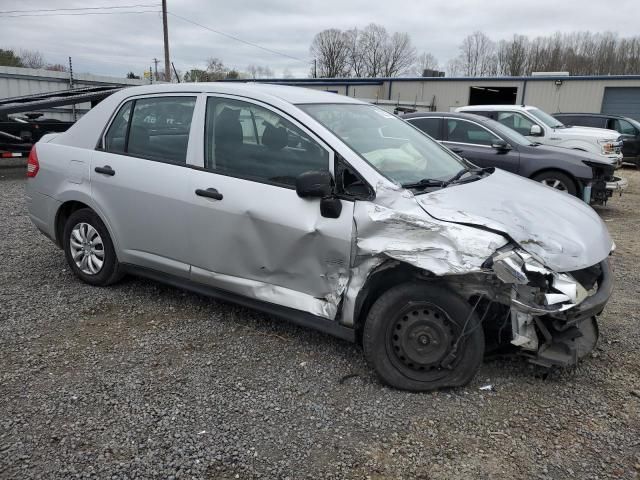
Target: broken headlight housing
<point>537,289</point>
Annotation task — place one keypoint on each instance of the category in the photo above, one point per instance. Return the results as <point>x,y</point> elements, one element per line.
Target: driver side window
<point>249,141</point>
<point>516,121</point>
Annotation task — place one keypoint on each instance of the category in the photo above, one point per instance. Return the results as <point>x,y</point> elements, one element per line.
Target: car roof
<point>491,108</point>
<point>258,91</point>
<point>603,115</point>
<point>468,116</point>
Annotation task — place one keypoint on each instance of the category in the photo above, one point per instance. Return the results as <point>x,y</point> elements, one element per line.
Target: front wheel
<point>422,337</point>
<point>89,249</point>
<point>557,180</point>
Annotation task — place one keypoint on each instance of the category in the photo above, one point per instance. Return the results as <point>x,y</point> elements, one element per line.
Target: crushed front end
<point>553,314</point>
<point>603,184</point>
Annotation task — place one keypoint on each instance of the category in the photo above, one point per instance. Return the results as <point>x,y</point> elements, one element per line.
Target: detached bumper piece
<point>617,184</point>
<point>566,337</point>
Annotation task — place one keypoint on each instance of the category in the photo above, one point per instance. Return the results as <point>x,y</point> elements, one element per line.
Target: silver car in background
<point>328,212</point>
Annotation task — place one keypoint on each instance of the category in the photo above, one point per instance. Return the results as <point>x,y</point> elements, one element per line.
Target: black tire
<point>110,271</point>
<point>569,185</point>
<point>410,335</point>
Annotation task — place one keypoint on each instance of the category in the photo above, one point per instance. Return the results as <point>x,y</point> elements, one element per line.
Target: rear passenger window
<point>114,140</point>
<point>430,126</point>
<point>157,129</point>
<point>249,141</point>
<point>461,131</point>
<point>597,122</point>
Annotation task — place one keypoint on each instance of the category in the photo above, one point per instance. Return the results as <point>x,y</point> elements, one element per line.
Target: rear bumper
<point>42,211</point>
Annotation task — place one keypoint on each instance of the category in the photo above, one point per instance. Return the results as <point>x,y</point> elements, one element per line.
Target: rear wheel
<point>557,180</point>
<point>89,249</point>
<point>423,337</point>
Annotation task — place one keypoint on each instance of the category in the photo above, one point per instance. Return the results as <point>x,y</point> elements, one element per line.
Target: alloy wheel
<point>87,248</point>
<point>555,183</point>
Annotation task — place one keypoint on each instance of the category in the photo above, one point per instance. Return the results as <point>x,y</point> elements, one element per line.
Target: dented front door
<point>250,232</point>
<point>265,242</point>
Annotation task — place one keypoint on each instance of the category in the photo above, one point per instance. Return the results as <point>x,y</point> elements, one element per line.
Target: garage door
<point>622,101</point>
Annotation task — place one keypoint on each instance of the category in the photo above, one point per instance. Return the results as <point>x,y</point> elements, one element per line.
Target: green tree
<point>8,58</point>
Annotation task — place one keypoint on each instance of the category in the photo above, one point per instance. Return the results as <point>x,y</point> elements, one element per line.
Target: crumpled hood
<point>562,231</point>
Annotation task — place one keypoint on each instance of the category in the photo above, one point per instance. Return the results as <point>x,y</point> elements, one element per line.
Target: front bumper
<point>617,184</point>
<point>592,306</point>
<point>553,315</point>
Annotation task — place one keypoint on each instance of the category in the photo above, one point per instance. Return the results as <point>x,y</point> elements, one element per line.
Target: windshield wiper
<point>425,183</point>
<point>432,182</point>
<point>456,178</point>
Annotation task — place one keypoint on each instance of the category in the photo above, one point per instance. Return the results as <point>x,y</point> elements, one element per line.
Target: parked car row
<point>334,214</point>
<point>579,161</point>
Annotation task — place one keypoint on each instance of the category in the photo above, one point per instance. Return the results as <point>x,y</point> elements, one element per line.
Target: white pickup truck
<point>540,127</point>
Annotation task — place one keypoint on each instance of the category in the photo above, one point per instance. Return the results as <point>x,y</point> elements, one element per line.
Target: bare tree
<point>32,59</point>
<point>511,56</point>
<point>286,73</point>
<point>373,47</point>
<point>330,50</point>
<point>477,56</point>
<point>216,69</point>
<point>355,59</point>
<point>425,61</point>
<point>259,71</point>
<point>399,55</point>
<point>56,67</point>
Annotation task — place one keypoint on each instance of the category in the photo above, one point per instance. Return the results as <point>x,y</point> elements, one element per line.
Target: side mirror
<point>501,145</point>
<point>536,131</point>
<point>314,184</point>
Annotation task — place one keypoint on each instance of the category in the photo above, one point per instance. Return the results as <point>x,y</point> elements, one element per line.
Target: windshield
<point>396,149</point>
<point>545,118</point>
<point>508,134</point>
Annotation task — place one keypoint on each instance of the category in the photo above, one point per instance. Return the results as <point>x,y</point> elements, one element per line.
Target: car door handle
<point>107,170</point>
<point>457,150</point>
<point>209,193</point>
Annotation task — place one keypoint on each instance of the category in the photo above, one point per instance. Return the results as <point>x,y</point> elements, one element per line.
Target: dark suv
<point>487,143</point>
<point>627,127</point>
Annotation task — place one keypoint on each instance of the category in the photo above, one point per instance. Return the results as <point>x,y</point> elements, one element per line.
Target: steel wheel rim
<point>421,337</point>
<point>555,184</point>
<point>87,248</point>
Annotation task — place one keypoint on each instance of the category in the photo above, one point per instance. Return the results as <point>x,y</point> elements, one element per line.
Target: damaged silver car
<point>328,212</point>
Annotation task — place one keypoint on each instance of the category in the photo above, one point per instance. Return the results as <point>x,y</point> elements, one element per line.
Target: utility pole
<point>155,61</point>
<point>73,107</point>
<point>315,68</point>
<point>165,31</point>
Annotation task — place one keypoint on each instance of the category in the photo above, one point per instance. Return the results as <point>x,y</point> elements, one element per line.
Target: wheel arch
<point>573,178</point>
<point>381,279</point>
<point>64,212</point>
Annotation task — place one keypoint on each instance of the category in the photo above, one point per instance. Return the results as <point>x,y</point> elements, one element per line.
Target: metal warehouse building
<point>618,94</point>
<point>15,82</point>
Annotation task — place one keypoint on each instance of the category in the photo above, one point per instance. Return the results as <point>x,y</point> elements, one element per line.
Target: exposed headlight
<point>558,291</point>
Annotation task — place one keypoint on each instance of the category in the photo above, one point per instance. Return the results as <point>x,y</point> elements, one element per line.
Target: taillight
<point>32,164</point>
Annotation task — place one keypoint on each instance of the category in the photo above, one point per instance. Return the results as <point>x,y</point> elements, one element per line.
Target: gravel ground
<point>140,380</point>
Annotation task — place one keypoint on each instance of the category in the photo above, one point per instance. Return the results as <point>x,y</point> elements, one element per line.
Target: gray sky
<point>116,44</point>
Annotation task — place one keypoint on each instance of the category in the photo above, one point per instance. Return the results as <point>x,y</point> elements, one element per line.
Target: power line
<point>79,8</point>
<point>238,39</point>
<point>76,14</point>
